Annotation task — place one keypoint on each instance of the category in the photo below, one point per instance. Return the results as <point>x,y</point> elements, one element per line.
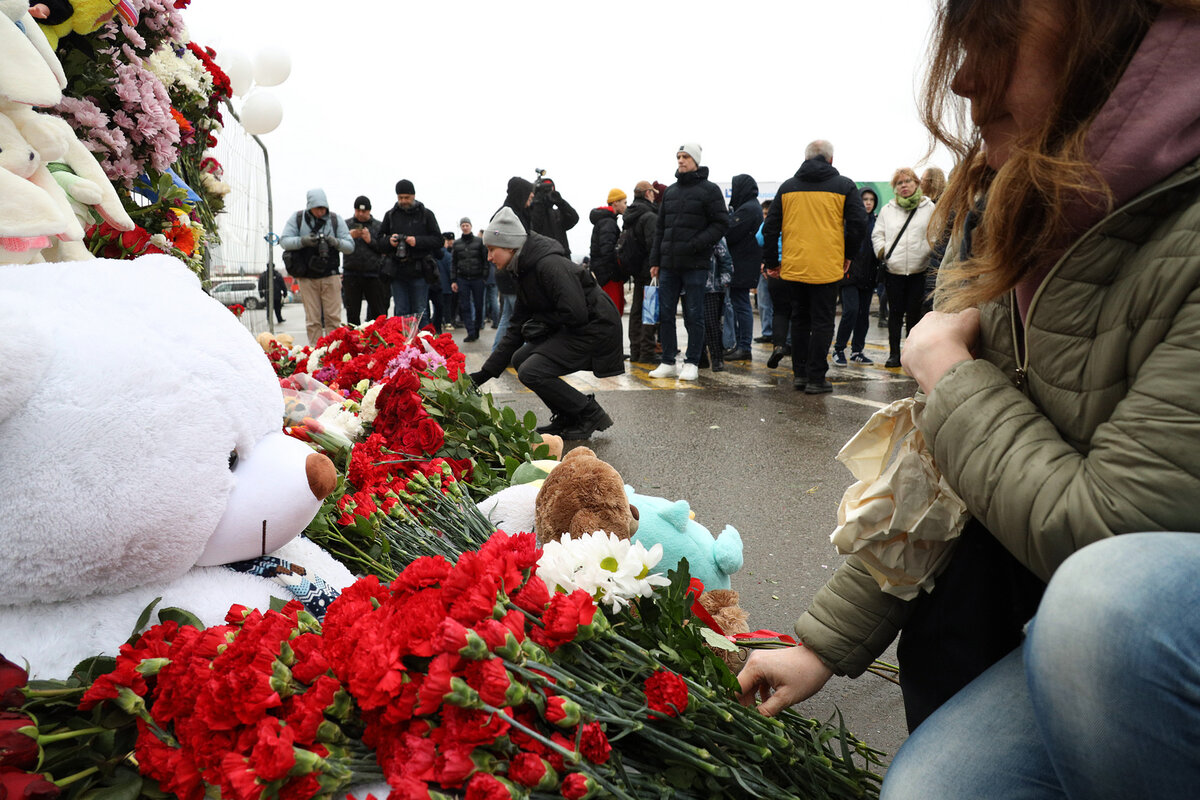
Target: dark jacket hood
<point>745,189</point>
<point>700,174</point>
<point>600,213</point>
<point>519,190</point>
<point>816,170</point>
<point>416,208</point>
<point>866,190</point>
<point>637,208</point>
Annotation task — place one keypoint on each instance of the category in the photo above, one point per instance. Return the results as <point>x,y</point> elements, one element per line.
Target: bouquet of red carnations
<point>467,679</point>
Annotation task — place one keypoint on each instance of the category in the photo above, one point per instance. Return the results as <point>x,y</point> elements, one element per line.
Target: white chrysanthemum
<point>611,569</point>
<point>369,412</point>
<point>340,419</point>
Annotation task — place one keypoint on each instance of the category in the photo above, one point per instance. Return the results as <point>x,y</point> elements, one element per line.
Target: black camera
<point>322,248</point>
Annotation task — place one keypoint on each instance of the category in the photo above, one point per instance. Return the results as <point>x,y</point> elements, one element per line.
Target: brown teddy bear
<point>722,604</point>
<point>581,495</point>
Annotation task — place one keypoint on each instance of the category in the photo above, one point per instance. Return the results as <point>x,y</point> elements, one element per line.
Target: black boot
<point>591,419</point>
<point>558,423</point>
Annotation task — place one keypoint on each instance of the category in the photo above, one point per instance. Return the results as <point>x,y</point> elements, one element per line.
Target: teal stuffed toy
<point>671,524</point>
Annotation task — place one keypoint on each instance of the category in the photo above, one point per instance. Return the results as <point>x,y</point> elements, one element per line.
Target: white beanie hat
<point>692,149</point>
<point>505,230</point>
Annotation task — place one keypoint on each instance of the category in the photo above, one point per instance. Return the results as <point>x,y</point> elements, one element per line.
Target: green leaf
<point>124,784</point>
<point>143,618</point>
<point>509,416</point>
<point>714,639</point>
<point>277,603</point>
<point>181,617</point>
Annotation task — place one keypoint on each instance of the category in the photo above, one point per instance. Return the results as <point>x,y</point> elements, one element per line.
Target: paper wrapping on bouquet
<point>901,518</point>
<point>650,303</point>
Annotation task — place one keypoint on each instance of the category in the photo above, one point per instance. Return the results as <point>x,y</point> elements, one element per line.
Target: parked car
<point>242,291</point>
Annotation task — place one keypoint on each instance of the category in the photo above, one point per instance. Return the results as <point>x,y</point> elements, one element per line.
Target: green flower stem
<point>78,776</point>
<point>51,738</point>
<point>565,753</point>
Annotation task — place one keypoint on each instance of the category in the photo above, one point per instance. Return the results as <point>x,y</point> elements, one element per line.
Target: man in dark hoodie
<point>857,288</point>
<point>821,218</point>
<point>551,215</point>
<point>745,217</point>
<point>409,236</point>
<point>562,323</point>
<point>691,221</point>
<point>640,220</point>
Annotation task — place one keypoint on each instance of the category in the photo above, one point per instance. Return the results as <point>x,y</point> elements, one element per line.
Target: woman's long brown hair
<point>1025,222</point>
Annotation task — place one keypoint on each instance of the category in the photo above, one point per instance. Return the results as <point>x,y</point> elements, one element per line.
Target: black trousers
<point>906,293</point>
<point>714,308</point>
<point>372,288</point>
<point>812,310</point>
<point>542,374</point>
<point>781,310</point>
<point>642,337</point>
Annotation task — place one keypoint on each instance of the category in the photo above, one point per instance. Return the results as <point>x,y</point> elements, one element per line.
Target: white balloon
<point>239,68</point>
<point>261,113</point>
<point>272,66</point>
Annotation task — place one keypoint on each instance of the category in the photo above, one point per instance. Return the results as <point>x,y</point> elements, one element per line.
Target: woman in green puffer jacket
<point>1062,371</point>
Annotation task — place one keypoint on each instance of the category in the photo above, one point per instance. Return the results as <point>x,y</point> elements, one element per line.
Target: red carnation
<point>532,771</point>
<point>562,620</point>
<point>578,786</point>
<point>666,692</point>
<point>533,596</point>
<point>483,786</point>
<point>594,744</point>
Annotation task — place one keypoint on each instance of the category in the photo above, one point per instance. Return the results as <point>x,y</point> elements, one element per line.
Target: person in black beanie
<point>361,279</point>
<point>562,323</point>
<point>409,237</point>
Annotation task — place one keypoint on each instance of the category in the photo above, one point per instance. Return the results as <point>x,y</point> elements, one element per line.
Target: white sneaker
<point>689,372</point>
<point>663,370</point>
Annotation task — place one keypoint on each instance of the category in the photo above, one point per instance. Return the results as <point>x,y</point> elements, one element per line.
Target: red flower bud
<point>17,750</point>
<point>26,786</point>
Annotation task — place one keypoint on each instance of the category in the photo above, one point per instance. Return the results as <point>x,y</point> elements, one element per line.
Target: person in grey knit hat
<point>562,322</point>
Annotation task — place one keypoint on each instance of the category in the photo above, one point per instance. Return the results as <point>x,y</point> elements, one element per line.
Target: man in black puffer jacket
<point>361,279</point>
<point>690,223</point>
<point>745,217</point>
<point>562,323</point>
<point>467,274</point>
<point>641,218</point>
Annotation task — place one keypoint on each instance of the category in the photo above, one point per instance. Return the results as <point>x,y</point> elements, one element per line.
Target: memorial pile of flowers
<point>466,677</point>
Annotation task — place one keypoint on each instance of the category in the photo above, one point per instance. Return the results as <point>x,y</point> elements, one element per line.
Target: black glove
<point>479,377</point>
<point>534,330</point>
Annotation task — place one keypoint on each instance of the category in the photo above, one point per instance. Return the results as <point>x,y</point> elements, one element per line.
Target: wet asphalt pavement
<point>746,449</point>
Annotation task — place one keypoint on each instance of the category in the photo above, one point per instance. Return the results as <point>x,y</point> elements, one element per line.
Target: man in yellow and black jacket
<point>821,217</point>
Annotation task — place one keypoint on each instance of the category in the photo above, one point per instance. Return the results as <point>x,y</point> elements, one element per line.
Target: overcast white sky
<point>460,95</point>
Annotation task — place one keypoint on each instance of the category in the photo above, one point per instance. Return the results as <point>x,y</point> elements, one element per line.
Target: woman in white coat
<point>902,243</point>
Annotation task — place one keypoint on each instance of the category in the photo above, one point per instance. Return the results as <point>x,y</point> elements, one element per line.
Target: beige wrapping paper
<point>901,517</point>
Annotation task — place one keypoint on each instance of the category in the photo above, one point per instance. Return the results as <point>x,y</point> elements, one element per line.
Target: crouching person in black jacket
<point>562,323</point>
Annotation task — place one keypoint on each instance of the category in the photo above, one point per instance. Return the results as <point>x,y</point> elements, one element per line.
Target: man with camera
<point>313,241</point>
<point>410,236</point>
<point>562,322</point>
<point>361,279</point>
<point>549,214</point>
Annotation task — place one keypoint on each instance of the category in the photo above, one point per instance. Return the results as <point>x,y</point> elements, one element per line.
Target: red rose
<point>567,612</point>
<point>17,750</point>
<point>26,786</point>
<point>12,679</point>
<point>429,436</point>
<point>578,786</point>
<point>667,693</point>
<point>594,744</point>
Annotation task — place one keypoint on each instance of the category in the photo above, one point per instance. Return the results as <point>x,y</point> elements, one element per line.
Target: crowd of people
<point>815,245</point>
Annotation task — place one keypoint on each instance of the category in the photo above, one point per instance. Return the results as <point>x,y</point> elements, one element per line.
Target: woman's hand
<point>781,678</point>
<point>937,343</point>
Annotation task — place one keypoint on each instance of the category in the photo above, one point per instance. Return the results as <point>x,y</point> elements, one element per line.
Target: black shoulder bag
<point>881,274</point>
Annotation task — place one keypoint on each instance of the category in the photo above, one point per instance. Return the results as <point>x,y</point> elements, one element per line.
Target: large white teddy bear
<point>140,448</point>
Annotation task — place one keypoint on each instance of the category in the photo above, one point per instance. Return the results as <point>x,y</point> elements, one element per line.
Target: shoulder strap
<point>896,241</point>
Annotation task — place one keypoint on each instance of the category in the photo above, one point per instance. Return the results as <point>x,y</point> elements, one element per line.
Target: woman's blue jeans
<point>1101,701</point>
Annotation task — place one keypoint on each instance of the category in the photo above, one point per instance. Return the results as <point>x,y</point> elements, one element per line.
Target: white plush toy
<point>140,427</point>
<point>39,218</point>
